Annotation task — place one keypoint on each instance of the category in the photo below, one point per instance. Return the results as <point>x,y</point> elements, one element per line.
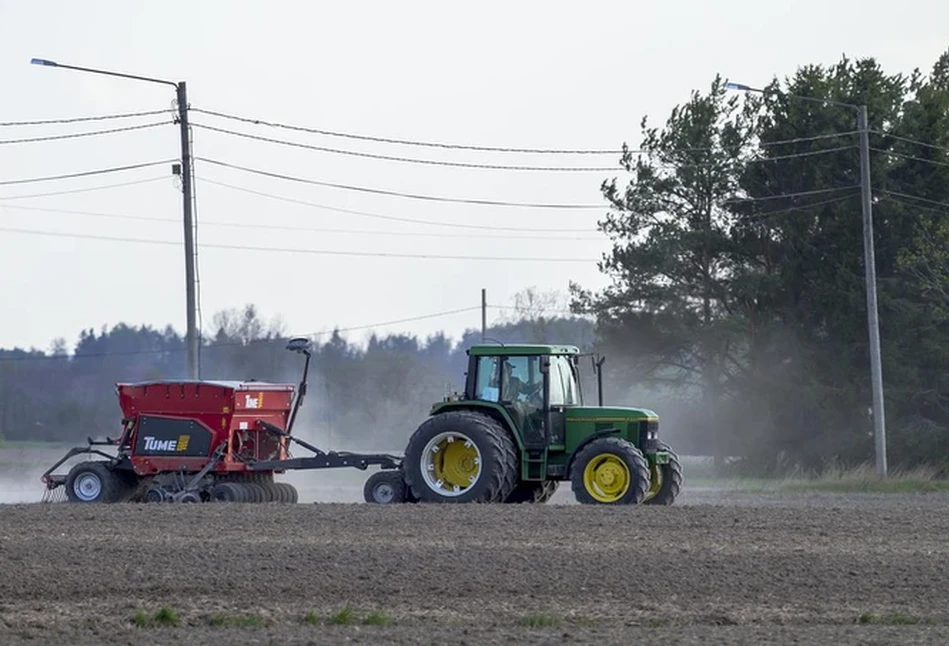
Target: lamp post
<point>873,322</point>
<point>182,97</point>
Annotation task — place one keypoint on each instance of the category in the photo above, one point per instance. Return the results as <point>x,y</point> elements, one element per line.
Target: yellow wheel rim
<point>451,463</point>
<point>606,478</point>
<point>655,474</point>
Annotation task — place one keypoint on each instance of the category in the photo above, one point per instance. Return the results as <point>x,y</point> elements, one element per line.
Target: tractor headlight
<point>651,430</point>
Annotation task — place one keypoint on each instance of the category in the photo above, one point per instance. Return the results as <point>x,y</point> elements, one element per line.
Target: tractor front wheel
<point>385,488</point>
<point>461,456</point>
<point>666,480</point>
<point>610,471</point>
<point>93,481</point>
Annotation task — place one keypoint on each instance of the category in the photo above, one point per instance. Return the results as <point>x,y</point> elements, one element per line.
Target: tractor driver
<point>517,390</point>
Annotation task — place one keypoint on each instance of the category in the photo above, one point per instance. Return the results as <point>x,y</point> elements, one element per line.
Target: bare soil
<point>754,569</point>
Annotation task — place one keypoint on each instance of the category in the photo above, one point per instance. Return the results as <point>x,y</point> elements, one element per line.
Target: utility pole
<point>873,323</point>
<point>869,262</point>
<point>191,339</point>
<point>191,336</point>
<point>484,314</point>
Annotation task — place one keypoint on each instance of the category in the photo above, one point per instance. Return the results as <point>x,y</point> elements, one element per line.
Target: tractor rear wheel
<point>385,487</point>
<point>93,481</point>
<point>533,492</point>
<point>461,456</point>
<point>666,480</point>
<point>610,471</point>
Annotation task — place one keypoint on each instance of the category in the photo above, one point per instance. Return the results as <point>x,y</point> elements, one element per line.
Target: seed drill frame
<point>198,441</point>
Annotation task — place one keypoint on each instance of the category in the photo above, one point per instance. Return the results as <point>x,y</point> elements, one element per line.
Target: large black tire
<point>670,475</point>
<point>624,465</point>
<point>385,488</point>
<point>94,481</point>
<point>533,492</point>
<point>496,475</point>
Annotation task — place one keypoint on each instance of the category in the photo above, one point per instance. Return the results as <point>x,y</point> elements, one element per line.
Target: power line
<point>390,218</point>
<point>407,142</point>
<point>76,135</point>
<point>413,196</point>
<point>278,227</point>
<point>803,207</point>
<point>800,140</point>
<point>321,252</point>
<point>83,190</point>
<point>915,205</point>
<point>500,149</point>
<point>757,160</point>
<point>88,173</point>
<point>790,195</point>
<point>910,141</point>
<point>408,160</point>
<point>44,122</point>
<point>914,197</point>
<point>911,157</point>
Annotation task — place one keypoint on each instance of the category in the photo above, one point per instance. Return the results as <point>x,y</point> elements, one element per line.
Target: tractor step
<point>534,464</point>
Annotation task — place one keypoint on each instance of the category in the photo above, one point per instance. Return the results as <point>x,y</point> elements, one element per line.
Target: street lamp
<point>182,96</point>
<point>873,322</point>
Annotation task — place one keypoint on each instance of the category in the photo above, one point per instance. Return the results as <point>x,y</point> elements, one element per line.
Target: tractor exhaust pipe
<point>599,380</point>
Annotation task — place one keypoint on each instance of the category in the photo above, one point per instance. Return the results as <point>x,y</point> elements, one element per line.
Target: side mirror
<point>299,344</point>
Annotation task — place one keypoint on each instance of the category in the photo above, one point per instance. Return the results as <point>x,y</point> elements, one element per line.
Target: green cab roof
<point>495,349</point>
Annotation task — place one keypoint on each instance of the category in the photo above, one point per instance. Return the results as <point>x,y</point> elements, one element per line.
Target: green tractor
<point>521,428</point>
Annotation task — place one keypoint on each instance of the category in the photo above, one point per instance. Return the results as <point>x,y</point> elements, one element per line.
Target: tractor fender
<point>485,408</point>
<point>593,436</point>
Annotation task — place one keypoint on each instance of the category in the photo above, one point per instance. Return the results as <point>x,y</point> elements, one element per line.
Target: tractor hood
<point>609,414</point>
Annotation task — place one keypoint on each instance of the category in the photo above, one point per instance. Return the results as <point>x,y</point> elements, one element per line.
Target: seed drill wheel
<point>610,471</point>
<point>228,492</point>
<point>533,492</point>
<point>93,481</point>
<point>385,487</point>
<point>666,480</point>
<point>255,492</point>
<point>461,456</point>
<point>286,492</point>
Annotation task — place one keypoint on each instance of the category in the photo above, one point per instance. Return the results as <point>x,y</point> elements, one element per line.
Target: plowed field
<point>742,569</point>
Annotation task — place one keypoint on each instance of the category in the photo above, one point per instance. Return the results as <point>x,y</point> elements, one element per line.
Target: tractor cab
<point>534,384</point>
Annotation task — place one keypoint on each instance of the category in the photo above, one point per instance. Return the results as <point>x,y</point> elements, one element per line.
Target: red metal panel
<point>230,410</point>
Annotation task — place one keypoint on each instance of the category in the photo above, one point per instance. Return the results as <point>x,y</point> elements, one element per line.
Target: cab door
<point>557,401</point>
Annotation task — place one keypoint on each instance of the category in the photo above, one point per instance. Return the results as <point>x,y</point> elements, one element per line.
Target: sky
<point>546,75</point>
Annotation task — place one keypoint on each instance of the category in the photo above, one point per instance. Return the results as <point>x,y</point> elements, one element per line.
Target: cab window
<point>488,388</point>
<point>562,375</point>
